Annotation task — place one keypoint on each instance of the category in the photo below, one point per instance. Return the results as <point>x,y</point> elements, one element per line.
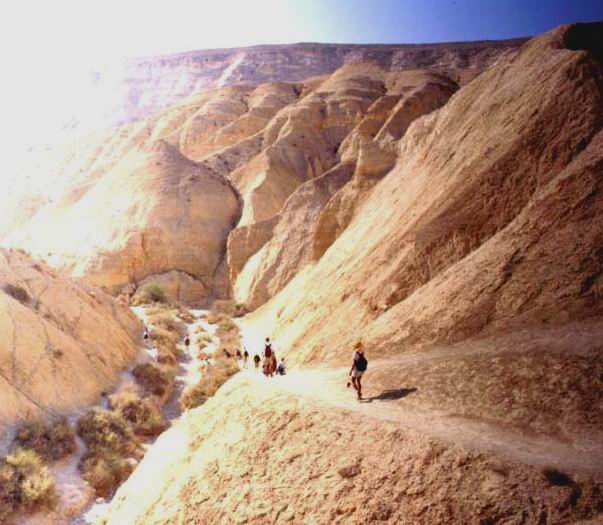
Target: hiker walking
<point>281,369</point>
<point>187,341</point>
<point>359,366</point>
<point>245,358</point>
<point>256,361</point>
<point>269,359</point>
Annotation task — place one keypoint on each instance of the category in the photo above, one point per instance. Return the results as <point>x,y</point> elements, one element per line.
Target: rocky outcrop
<point>475,227</point>
<point>289,248</point>
<point>62,344</point>
<point>147,85</point>
<point>153,212</point>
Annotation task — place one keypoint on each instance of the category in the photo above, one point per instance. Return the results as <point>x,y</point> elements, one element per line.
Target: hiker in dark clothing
<point>359,366</point>
<point>245,358</point>
<point>256,361</point>
<point>239,355</point>
<point>281,370</point>
<point>227,354</point>
<point>187,341</point>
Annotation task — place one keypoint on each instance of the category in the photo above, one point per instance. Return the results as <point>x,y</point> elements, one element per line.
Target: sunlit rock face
<point>222,193</point>
<point>62,343</point>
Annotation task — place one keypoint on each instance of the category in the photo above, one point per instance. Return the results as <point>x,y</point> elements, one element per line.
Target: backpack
<point>268,351</point>
<point>361,363</point>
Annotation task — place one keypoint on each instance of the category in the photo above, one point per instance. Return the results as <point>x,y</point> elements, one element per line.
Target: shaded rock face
<point>62,344</point>
<point>491,217</point>
<point>147,85</point>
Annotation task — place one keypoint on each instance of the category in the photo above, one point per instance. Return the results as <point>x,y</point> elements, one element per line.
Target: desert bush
<point>215,317</point>
<point>144,415</point>
<point>185,315</point>
<point>166,342</point>
<point>226,324</point>
<point>167,321</point>
<point>105,470</point>
<point>217,374</point>
<point>17,292</point>
<point>153,379</point>
<point>203,340</point>
<point>149,293</point>
<point>25,484</point>
<point>109,430</point>
<point>111,443</point>
<point>224,306</point>
<point>158,308</point>
<point>51,441</point>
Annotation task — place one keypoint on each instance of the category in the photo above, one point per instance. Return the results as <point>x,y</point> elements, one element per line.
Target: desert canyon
<point>441,203</point>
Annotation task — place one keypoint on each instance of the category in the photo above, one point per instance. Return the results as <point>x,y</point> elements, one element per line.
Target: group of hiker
<point>271,367</point>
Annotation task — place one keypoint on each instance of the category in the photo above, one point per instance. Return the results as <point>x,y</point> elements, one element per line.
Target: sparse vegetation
<point>153,379</point>
<point>17,292</point>
<point>203,340</point>
<point>166,343</point>
<point>25,484</point>
<point>217,374</point>
<point>144,415</point>
<point>111,446</point>
<point>149,293</point>
<point>51,441</point>
<point>166,321</point>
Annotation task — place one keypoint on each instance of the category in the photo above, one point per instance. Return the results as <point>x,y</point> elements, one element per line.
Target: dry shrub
<point>203,340</point>
<point>111,443</point>
<point>158,308</point>
<point>51,441</point>
<point>200,330</point>
<point>149,293</point>
<point>215,317</point>
<point>17,292</point>
<point>153,379</point>
<point>167,321</point>
<point>166,342</point>
<point>185,315</point>
<point>217,374</point>
<point>105,470</point>
<point>144,415</point>
<point>25,484</point>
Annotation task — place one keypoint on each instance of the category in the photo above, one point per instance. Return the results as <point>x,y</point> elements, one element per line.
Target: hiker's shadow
<point>391,395</point>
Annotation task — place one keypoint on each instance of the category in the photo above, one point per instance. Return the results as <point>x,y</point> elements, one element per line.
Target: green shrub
<point>144,416</point>
<point>51,441</point>
<point>25,484</point>
<point>153,379</point>
<point>149,293</point>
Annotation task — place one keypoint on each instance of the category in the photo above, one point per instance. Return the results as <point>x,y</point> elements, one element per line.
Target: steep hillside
<point>280,452</point>
<point>492,217</point>
<point>62,344</point>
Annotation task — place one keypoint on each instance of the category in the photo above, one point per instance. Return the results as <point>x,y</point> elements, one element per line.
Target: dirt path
<point>328,387</point>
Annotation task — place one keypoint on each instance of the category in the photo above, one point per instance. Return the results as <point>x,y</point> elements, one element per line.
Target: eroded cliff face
<point>62,344</point>
<point>147,85</point>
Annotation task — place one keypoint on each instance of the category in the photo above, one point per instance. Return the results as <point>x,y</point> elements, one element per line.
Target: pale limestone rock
<point>62,344</point>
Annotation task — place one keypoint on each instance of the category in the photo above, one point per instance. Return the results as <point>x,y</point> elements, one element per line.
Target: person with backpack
<point>281,369</point>
<point>359,367</point>
<point>269,359</point>
<point>256,361</point>
<point>245,358</point>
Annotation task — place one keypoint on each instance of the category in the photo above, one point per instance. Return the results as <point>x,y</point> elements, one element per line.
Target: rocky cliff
<point>62,344</point>
<point>146,85</point>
